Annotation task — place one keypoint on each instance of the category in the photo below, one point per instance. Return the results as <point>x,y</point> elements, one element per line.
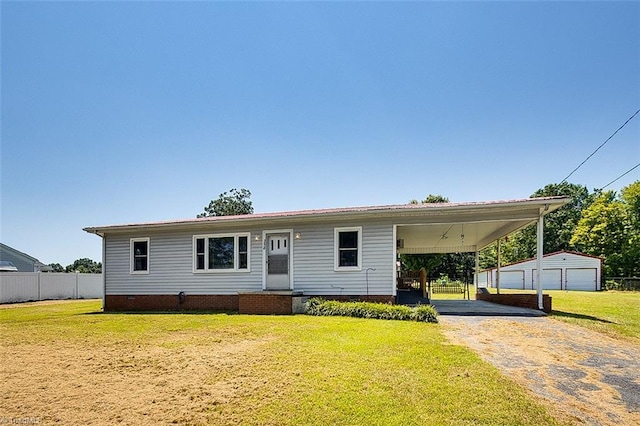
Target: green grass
<point>615,313</point>
<point>307,370</point>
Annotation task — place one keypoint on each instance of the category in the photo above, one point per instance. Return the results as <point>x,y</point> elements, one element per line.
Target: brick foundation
<point>521,300</point>
<point>245,303</point>
<point>265,304</point>
<point>171,302</point>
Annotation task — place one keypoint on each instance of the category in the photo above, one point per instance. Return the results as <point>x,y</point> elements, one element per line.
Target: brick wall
<point>169,302</point>
<point>522,300</point>
<point>246,303</point>
<point>265,304</point>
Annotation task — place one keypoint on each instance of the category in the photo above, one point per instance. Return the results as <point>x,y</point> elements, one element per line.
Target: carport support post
<point>539,254</point>
<point>498,267</point>
<point>476,277</point>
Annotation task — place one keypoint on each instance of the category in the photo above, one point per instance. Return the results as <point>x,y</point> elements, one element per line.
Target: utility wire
<point>603,144</point>
<point>622,175</point>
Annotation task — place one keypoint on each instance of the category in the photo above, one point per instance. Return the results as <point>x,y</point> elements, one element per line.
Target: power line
<point>603,144</point>
<point>622,175</point>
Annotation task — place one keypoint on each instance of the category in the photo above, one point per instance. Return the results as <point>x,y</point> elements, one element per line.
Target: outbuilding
<point>21,261</point>
<point>259,263</point>
<point>563,270</point>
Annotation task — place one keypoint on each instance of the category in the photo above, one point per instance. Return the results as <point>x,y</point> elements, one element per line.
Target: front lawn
<point>68,363</point>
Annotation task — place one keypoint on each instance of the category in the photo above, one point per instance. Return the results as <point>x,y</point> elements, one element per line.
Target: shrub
<point>320,307</point>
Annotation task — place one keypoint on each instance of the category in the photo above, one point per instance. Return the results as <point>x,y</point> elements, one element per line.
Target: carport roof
<point>503,214</point>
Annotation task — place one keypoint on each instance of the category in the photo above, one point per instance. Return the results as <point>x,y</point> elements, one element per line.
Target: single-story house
<point>257,263</point>
<point>563,270</point>
<point>22,261</point>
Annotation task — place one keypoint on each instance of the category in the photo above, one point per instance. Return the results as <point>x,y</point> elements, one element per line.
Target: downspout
<point>104,272</point>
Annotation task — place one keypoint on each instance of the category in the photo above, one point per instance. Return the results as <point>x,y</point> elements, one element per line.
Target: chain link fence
<point>622,283</point>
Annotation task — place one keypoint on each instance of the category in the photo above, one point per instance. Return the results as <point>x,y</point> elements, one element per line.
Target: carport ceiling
<point>454,237</point>
<point>453,230</point>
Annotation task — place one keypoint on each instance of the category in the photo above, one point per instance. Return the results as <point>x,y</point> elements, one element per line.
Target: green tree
<point>630,195</point>
<point>234,202</point>
<point>56,267</point>
<point>610,228</point>
<point>414,262</point>
<point>559,225</point>
<point>455,266</point>
<point>431,198</point>
<point>85,266</point>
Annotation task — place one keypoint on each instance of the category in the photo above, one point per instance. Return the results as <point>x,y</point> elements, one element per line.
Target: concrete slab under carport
<point>482,308</point>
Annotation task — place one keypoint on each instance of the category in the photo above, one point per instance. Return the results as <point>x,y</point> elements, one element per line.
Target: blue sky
<point>117,112</point>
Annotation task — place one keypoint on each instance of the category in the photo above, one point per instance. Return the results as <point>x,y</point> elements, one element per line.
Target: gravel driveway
<point>584,375</point>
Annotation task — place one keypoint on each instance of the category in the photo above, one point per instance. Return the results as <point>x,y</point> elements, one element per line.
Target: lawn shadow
<point>579,316</point>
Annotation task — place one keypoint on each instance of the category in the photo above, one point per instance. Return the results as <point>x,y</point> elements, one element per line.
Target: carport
<point>469,227</point>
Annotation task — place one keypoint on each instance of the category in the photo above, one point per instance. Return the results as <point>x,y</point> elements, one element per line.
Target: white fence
<point>26,286</point>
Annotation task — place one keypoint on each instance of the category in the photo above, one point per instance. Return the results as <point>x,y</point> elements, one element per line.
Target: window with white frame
<point>348,248</point>
<point>139,249</point>
<point>221,253</point>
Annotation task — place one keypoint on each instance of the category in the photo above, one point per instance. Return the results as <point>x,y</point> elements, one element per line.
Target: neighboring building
<point>259,263</point>
<point>6,266</point>
<point>22,261</point>
<point>563,270</point>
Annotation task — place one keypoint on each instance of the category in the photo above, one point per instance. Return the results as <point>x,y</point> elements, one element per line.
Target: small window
<point>348,249</point>
<point>220,253</point>
<point>243,252</point>
<point>139,255</point>
<point>200,253</point>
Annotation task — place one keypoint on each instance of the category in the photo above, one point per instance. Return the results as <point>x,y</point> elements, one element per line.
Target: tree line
<point>83,266</point>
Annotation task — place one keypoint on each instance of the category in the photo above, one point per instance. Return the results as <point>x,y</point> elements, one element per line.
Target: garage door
<point>551,279</point>
<point>581,279</point>
<point>512,279</point>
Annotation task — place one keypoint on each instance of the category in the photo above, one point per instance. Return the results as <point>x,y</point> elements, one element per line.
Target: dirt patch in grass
<point>88,385</point>
<point>580,373</point>
<point>41,303</point>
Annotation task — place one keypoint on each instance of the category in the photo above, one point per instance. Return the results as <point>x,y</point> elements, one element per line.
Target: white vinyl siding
<point>314,269</point>
<point>172,269</point>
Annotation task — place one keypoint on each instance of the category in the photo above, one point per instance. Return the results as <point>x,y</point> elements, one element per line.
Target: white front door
<point>277,261</point>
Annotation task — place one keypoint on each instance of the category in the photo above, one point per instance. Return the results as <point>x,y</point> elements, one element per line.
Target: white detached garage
<point>563,270</point>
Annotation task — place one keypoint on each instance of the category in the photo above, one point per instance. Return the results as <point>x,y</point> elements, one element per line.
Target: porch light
<point>257,237</point>
<point>297,236</point>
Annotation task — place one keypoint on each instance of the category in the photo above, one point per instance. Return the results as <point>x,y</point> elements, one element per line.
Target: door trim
<point>265,234</point>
